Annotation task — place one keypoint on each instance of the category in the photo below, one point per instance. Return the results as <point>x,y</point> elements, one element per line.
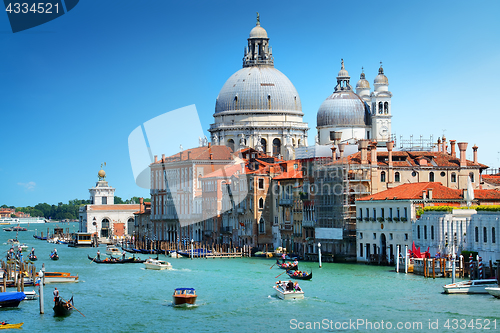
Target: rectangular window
<point>432,232</point>
<point>493,236</point>
<point>390,213</point>
<point>398,214</point>
<point>406,212</point>
<point>360,249</point>
<point>391,237</point>
<point>374,235</point>
<point>418,231</point>
<point>367,212</point>
<point>374,214</point>
<point>406,236</point>
<point>104,200</point>
<point>382,212</point>
<point>261,183</point>
<point>425,232</point>
<point>361,213</point>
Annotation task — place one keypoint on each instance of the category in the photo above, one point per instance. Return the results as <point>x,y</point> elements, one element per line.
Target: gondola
<point>32,257</point>
<point>61,308</point>
<point>54,256</point>
<point>40,237</point>
<point>116,261</point>
<point>287,265</point>
<point>299,275</point>
<point>143,251</point>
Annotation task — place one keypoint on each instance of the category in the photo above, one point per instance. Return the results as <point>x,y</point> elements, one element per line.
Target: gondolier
<point>56,295</point>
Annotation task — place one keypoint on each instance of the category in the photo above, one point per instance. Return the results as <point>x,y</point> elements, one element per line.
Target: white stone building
<point>258,106</point>
<point>103,218</point>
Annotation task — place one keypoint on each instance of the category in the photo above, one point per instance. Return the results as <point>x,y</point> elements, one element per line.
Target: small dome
<point>101,173</point>
<point>258,32</point>
<point>343,108</point>
<point>362,83</point>
<point>342,72</point>
<point>381,78</point>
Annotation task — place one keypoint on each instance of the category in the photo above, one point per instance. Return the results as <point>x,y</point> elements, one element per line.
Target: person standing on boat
<point>123,255</point>
<point>283,257</point>
<point>56,295</point>
<point>98,255</point>
<point>32,251</point>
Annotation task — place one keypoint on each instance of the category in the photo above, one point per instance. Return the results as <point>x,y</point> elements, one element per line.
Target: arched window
<point>380,107</point>
<point>386,107</point>
<point>476,234</point>
<point>453,177</point>
<point>105,228</point>
<point>261,203</point>
<point>471,175</point>
<point>230,144</point>
<point>397,177</point>
<point>269,101</point>
<point>485,235</point>
<point>276,147</point>
<point>262,226</point>
<point>431,176</point>
<point>236,102</point>
<point>382,177</point>
<point>263,142</point>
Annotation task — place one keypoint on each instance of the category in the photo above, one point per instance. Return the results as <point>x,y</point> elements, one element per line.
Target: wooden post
<point>491,269</point>
<point>433,268</point>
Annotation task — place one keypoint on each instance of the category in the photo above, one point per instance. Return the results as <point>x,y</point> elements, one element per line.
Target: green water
<point>236,295</point>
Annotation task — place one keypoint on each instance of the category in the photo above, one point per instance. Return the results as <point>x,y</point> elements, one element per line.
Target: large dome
<point>258,89</point>
<point>343,108</point>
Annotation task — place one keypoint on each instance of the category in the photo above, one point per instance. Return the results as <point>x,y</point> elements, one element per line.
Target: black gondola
<point>299,275</point>
<point>143,251</point>
<point>112,260</point>
<point>287,265</point>
<point>32,257</point>
<point>54,256</point>
<point>63,309</point>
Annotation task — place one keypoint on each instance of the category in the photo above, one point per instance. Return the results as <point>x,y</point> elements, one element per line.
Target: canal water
<point>236,295</point>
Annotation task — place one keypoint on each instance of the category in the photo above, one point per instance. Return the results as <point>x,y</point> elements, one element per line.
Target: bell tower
<point>381,108</point>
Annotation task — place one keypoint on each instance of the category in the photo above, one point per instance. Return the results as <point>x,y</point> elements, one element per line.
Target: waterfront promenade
<point>236,295</point>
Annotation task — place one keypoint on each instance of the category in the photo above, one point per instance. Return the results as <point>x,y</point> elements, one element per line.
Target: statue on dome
<point>102,174</point>
<point>215,140</point>
<point>258,18</point>
<point>205,141</point>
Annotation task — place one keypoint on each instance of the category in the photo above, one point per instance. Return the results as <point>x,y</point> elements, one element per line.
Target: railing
<point>285,202</point>
<point>309,223</point>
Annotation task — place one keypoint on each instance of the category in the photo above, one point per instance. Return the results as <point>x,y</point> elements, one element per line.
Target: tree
<point>118,201</point>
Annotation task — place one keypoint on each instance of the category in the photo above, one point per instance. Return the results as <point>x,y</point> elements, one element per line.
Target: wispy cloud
<point>30,186</point>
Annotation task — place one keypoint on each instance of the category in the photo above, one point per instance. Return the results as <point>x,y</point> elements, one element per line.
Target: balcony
<point>284,226</point>
<point>286,202</point>
<point>308,223</point>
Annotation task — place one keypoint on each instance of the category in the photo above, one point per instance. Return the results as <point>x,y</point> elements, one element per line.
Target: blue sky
<point>73,89</point>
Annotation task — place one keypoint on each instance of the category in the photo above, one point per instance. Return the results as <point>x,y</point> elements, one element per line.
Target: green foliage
<point>118,201</point>
<point>380,219</point>
<point>484,208</point>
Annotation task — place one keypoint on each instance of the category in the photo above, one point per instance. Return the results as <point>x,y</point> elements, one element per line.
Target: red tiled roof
<point>225,172</point>
<point>414,191</point>
<point>200,153</point>
<point>492,179</point>
<point>291,174</point>
<point>487,194</point>
<point>412,158</point>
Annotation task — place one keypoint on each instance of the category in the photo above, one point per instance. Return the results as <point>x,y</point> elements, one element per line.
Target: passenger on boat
<point>289,286</point>
<point>296,287</point>
<point>123,255</point>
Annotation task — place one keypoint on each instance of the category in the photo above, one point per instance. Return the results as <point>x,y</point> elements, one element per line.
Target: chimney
<point>163,157</point>
<point>462,146</point>
<point>334,156</point>
<point>156,158</point>
<point>141,205</point>
<point>430,194</point>
<point>390,146</point>
<point>363,145</point>
<point>180,156</point>
<point>189,154</point>
<point>475,154</point>
<point>341,149</point>
<point>335,137</point>
<point>424,194</point>
<point>439,144</point>
<point>374,154</point>
<point>444,145</point>
<point>209,145</point>
<point>452,143</point>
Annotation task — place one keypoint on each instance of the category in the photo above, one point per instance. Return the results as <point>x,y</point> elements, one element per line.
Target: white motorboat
<point>284,291</point>
<point>174,254</point>
<point>494,291</point>
<point>59,277</point>
<point>30,295</point>
<point>470,287</point>
<point>157,264</point>
<point>113,251</point>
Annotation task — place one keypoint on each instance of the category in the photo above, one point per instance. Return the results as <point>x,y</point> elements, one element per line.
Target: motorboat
<point>8,326</point>
<point>59,277</point>
<point>494,291</point>
<point>11,299</point>
<point>184,296</point>
<point>157,264</point>
<point>175,254</point>
<point>112,250</point>
<point>470,287</point>
<point>13,241</point>
<point>288,290</point>
<point>30,295</point>
<point>24,247</point>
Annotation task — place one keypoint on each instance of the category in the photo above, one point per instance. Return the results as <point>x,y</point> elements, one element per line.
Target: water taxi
<point>59,277</point>
<point>470,287</point>
<point>157,264</point>
<point>184,296</point>
<point>287,291</point>
<point>112,250</point>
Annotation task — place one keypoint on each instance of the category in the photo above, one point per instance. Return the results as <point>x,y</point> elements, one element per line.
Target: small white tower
<point>363,88</point>
<point>381,108</point>
<point>102,194</point>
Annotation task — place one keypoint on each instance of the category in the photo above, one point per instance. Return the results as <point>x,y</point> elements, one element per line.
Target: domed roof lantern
<point>258,52</point>
<point>363,82</point>
<point>343,79</point>
<point>381,78</point>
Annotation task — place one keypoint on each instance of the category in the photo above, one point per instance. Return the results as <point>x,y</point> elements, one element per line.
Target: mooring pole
<point>40,287</point>
<point>397,259</point>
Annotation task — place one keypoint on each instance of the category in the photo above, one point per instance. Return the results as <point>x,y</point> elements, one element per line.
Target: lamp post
<point>319,254</point>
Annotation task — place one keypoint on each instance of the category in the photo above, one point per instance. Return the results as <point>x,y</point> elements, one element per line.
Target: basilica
<point>258,107</point>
